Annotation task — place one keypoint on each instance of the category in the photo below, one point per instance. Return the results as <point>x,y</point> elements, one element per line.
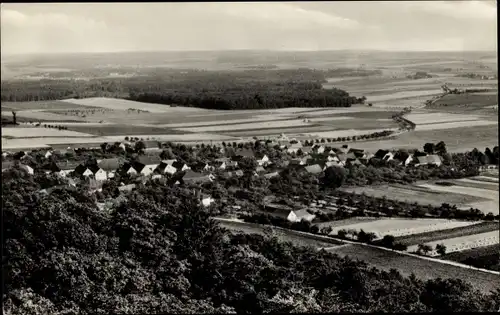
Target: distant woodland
<point>250,89</point>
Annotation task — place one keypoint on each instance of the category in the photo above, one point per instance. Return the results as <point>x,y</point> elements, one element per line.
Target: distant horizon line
<point>239,50</point>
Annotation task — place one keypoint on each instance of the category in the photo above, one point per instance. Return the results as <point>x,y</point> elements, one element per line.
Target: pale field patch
<point>120,104</point>
<point>477,192</point>
<point>463,242</point>
<point>489,185</point>
<point>222,122</point>
<point>453,125</point>
<point>256,125</point>
<point>342,110</point>
<point>36,132</point>
<point>36,115</point>
<point>431,118</point>
<point>486,178</point>
<point>401,227</point>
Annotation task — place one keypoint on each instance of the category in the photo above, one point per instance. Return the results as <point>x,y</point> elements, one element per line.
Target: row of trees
<point>157,251</point>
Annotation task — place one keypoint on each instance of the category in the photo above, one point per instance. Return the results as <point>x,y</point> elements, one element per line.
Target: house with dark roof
<point>380,154</point>
<point>132,168</point>
<point>287,213</point>
<point>180,166</point>
<point>110,165</point>
<point>201,167</point>
<point>82,171</point>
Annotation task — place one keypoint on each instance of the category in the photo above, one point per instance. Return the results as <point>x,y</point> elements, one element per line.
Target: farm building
<point>332,158</point>
<point>201,167</point>
<point>110,166</point>
<point>380,154</point>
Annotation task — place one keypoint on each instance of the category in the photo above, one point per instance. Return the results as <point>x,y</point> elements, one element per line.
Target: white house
<point>87,173</point>
<point>408,160</point>
<point>48,154</point>
<point>207,200</point>
<point>300,215</point>
<point>122,146</point>
<point>148,169</point>
<point>100,174</point>
<point>131,171</point>
<point>319,149</point>
<point>264,160</point>
<point>169,169</point>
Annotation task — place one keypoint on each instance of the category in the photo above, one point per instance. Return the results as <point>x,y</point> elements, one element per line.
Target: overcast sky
<point>391,25</point>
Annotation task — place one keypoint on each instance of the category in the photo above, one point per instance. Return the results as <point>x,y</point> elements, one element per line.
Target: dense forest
<point>250,89</point>
<point>157,251</point>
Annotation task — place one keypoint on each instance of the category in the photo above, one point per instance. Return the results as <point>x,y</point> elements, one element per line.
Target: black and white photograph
<point>250,157</point>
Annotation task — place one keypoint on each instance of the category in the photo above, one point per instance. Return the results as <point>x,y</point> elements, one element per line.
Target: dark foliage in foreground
<point>159,252</point>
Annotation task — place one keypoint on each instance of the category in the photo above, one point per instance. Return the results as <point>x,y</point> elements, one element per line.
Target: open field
<point>42,105</point>
<point>422,238</point>
<point>36,132</point>
<point>412,193</point>
<point>470,99</point>
<point>400,227</point>
<point>488,205</point>
<point>119,104</point>
<point>282,234</point>
<point>490,179</point>
<point>403,95</point>
<point>474,183</point>
<point>255,125</point>
<point>434,118</point>
<point>463,242</point>
<point>421,268</point>
<point>38,115</point>
<point>456,139</point>
<point>349,221</point>
<point>458,124</point>
<point>45,142</point>
<point>488,255</point>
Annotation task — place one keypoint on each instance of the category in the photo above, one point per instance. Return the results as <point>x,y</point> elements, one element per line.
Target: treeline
<point>157,251</point>
<point>251,89</point>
